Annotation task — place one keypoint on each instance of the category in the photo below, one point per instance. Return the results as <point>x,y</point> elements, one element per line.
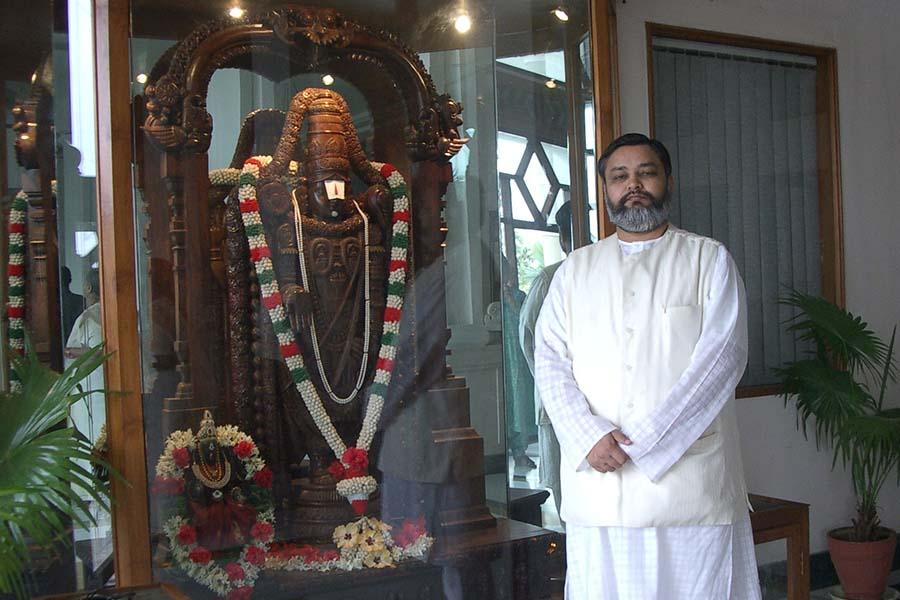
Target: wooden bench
<point>775,519</point>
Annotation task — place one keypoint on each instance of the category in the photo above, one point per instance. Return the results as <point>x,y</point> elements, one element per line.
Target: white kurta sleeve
<point>577,428</point>
<point>717,364</point>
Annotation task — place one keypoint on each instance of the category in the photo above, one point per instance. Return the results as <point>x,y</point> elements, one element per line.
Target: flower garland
<point>234,580</point>
<point>365,543</point>
<point>15,273</point>
<point>351,468</point>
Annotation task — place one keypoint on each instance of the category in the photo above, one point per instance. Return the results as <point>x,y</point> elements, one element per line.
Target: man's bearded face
<point>637,189</point>
<point>639,211</point>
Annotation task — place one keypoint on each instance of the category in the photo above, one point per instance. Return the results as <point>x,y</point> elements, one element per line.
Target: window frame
<point>827,150</point>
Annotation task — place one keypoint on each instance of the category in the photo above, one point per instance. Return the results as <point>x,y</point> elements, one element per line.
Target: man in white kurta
<point>640,343</point>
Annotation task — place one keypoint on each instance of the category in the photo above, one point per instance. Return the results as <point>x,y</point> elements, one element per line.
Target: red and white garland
<point>351,468</point>
<point>234,580</point>
<point>15,273</point>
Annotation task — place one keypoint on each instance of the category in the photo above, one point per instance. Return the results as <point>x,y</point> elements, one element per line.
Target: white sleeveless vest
<point>633,322</point>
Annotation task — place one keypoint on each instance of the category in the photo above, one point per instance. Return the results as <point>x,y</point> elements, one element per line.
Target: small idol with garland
<point>216,506</point>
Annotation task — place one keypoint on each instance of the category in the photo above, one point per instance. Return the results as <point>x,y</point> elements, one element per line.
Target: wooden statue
<point>332,272</point>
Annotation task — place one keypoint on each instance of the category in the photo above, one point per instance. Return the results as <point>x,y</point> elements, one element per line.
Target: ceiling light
<point>34,77</point>
<point>550,83</point>
<point>235,12</point>
<point>141,78</point>
<point>463,23</point>
<point>327,79</point>
<point>561,14</point>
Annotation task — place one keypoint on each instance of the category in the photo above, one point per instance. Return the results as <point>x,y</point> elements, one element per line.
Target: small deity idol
<point>216,496</point>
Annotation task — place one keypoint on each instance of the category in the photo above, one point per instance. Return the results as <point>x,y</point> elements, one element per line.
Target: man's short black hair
<point>564,219</point>
<point>634,139</point>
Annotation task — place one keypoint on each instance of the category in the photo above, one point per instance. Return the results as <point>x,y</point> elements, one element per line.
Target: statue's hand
<point>298,305</point>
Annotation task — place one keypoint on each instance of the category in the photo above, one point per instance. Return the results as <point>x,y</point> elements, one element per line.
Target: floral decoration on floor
<point>366,543</point>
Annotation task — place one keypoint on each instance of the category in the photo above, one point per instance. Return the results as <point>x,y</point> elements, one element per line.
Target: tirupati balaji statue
<point>330,250</point>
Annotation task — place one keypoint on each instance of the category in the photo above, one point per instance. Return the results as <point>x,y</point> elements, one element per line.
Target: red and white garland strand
<point>351,469</point>
<point>15,273</point>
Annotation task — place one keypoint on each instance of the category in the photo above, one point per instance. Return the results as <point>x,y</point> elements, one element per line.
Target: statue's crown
<point>207,429</point>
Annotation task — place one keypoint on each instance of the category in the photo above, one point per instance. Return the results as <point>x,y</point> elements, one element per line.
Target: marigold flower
<point>187,535</point>
<point>235,571</point>
<point>244,448</point>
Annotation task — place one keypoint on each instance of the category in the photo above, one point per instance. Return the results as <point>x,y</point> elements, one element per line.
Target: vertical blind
<point>741,129</point>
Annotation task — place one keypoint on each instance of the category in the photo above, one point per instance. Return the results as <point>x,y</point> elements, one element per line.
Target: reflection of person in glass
<point>548,445</point>
<point>517,378</point>
<point>86,330</point>
<point>640,343</point>
<point>218,504</point>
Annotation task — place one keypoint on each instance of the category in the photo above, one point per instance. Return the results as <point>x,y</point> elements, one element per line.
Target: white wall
<point>778,461</point>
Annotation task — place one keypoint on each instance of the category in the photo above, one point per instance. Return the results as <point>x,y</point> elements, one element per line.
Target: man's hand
<point>606,456</point>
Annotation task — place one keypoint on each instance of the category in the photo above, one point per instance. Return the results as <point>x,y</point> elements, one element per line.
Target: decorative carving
<point>177,117</point>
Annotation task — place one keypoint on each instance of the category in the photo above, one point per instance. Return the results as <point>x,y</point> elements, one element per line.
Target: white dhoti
<point>667,563</point>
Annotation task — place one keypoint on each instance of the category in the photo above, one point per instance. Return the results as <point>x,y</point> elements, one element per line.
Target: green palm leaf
<point>43,480</point>
<point>843,337</point>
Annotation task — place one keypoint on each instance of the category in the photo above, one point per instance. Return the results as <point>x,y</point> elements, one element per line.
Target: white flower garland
<point>15,279</point>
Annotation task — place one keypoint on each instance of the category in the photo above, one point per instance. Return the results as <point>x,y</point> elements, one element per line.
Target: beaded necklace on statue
<point>214,476</point>
<point>313,333</point>
<point>351,468</point>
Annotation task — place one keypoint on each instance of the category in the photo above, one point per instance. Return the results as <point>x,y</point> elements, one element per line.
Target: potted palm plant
<point>839,391</point>
<point>45,466</point>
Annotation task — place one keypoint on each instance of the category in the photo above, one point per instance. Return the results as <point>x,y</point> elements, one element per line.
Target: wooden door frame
<point>124,409</point>
<point>605,60</point>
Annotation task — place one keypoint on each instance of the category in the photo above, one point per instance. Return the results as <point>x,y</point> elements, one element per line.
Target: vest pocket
<point>682,328</point>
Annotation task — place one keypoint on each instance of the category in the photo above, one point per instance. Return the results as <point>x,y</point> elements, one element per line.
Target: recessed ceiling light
<point>561,14</point>
<point>463,23</point>
<point>327,79</point>
<point>235,12</point>
<point>141,78</point>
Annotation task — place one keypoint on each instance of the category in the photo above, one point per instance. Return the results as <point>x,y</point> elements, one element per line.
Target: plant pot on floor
<point>862,567</point>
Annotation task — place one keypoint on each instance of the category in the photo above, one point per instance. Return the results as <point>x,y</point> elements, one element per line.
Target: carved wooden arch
<point>176,101</point>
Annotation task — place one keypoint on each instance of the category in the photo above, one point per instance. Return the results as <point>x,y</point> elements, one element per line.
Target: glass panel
<point>49,167</point>
<point>239,277</point>
<point>509,152</point>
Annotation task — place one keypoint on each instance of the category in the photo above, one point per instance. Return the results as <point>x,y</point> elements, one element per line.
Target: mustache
<point>640,194</point>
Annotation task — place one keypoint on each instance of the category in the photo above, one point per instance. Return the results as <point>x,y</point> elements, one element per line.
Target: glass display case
<point>341,216</point>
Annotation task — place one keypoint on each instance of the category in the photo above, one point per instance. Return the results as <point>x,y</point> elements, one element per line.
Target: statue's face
<point>335,258</point>
<point>210,450</point>
<point>328,199</point>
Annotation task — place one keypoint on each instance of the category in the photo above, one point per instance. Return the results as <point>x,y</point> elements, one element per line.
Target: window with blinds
<point>741,127</point>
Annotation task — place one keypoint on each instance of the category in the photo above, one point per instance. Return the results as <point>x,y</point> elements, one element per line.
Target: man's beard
<point>638,218</point>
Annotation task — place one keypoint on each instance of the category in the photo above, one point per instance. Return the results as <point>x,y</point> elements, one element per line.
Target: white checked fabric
<point>672,563</point>
<point>714,562</point>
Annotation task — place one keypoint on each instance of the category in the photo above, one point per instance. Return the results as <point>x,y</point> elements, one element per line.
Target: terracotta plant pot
<point>862,567</point>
